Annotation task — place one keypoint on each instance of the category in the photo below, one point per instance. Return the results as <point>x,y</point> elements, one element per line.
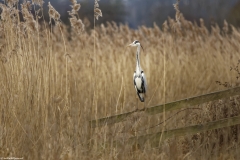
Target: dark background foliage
<point>146,12</point>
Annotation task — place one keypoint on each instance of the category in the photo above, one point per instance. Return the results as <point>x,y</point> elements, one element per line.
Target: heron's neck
<point>138,67</point>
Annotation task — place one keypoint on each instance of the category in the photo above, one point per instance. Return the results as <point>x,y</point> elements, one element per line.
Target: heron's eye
<point>136,42</point>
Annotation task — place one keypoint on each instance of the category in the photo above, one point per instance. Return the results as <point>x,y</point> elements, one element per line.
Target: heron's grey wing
<point>144,82</point>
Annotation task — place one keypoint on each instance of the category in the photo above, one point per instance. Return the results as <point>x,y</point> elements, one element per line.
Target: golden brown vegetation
<point>52,84</point>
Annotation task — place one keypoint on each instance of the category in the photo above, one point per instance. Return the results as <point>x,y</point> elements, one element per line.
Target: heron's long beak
<point>129,45</point>
<point>142,47</point>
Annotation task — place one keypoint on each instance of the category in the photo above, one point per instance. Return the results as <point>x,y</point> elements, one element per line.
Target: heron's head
<point>135,43</point>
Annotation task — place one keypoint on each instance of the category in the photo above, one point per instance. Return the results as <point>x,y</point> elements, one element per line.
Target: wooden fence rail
<point>154,139</point>
<point>169,106</point>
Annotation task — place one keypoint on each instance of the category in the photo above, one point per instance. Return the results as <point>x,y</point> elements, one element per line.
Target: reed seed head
<point>38,2</point>
<point>53,14</point>
<point>11,3</point>
<point>76,7</point>
<point>75,22</point>
<point>30,22</point>
<point>73,1</point>
<point>97,11</point>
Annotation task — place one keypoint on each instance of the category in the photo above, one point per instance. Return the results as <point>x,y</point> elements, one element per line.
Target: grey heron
<point>139,79</point>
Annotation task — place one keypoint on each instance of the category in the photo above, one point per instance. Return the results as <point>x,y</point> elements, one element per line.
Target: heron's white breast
<point>138,82</point>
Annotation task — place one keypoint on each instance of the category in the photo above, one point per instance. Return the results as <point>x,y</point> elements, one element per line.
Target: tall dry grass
<point>52,85</point>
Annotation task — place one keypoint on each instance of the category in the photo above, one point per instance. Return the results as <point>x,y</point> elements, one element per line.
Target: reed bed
<point>55,78</point>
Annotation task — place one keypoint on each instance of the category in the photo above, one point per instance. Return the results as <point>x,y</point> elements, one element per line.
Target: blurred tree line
<point>145,12</point>
<point>212,11</point>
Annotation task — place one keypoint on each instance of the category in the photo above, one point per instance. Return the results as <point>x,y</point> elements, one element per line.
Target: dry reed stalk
<point>97,13</point>
<point>164,95</point>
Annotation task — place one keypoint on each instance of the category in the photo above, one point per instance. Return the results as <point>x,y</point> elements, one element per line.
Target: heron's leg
<point>136,105</point>
<point>144,107</point>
